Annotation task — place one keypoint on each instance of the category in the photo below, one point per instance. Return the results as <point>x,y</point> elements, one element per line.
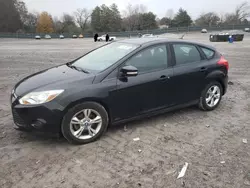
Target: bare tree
<point>58,25</point>
<point>208,19</point>
<point>230,18</point>
<point>242,12</point>
<point>132,16</point>
<point>68,24</point>
<point>31,22</point>
<point>222,18</point>
<point>82,16</point>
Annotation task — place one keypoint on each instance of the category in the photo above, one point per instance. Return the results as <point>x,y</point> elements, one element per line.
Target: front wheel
<point>84,123</point>
<point>211,96</point>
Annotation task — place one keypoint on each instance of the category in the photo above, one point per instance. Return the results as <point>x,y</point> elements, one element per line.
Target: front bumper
<point>45,117</point>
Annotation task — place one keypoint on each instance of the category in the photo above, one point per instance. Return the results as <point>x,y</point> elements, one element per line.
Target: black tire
<point>65,127</point>
<point>202,103</point>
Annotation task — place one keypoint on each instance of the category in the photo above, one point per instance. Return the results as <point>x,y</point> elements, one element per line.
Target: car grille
<point>17,119</point>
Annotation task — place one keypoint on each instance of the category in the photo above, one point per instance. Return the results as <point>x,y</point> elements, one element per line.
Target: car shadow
<point>144,121</point>
<point>42,137</point>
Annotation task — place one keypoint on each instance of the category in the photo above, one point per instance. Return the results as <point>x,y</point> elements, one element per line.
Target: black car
<point>119,82</point>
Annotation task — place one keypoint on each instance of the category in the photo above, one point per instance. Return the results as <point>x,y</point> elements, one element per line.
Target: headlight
<point>40,97</point>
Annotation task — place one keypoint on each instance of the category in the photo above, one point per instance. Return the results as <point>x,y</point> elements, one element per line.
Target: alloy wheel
<point>213,96</point>
<point>86,124</point>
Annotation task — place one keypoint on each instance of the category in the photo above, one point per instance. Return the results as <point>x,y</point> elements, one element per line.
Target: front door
<point>150,89</point>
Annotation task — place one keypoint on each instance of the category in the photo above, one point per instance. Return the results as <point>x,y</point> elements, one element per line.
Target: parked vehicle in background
<point>119,82</point>
<point>204,31</point>
<point>74,36</point>
<point>38,37</point>
<point>147,36</point>
<point>80,36</point>
<point>47,37</point>
<point>223,36</point>
<point>247,29</point>
<point>103,38</point>
<point>61,37</point>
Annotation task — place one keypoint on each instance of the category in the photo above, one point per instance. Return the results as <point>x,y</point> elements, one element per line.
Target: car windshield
<point>105,56</point>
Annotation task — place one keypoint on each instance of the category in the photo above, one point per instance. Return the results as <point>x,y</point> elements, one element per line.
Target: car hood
<point>60,77</point>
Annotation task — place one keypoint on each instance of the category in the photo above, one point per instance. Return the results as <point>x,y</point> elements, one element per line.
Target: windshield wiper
<point>78,68</point>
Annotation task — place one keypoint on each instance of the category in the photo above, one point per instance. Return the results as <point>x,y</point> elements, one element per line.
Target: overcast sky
<point>159,7</point>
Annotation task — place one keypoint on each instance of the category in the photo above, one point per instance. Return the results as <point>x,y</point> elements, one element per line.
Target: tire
<point>80,111</point>
<point>206,95</point>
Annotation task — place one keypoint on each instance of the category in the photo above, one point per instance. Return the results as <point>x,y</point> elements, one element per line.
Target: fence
<point>130,33</point>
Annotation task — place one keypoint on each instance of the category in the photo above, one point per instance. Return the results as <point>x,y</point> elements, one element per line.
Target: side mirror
<point>129,71</point>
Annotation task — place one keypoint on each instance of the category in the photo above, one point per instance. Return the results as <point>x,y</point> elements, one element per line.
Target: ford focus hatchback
<point>119,82</point>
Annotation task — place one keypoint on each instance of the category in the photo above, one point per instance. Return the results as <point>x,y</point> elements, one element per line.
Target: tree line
<point>14,17</point>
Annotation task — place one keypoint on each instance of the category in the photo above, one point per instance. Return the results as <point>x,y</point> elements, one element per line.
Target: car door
<point>148,91</point>
<point>190,70</point>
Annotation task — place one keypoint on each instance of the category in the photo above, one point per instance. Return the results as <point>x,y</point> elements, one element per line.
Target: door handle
<point>164,77</point>
<point>203,69</point>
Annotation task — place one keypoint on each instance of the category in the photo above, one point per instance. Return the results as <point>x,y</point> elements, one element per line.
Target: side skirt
<point>157,112</point>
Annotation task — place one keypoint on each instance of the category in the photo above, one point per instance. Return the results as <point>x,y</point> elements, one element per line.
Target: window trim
<point>204,52</point>
<point>185,43</point>
<point>168,63</point>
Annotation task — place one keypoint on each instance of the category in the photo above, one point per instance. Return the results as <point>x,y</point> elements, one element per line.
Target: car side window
<point>208,52</point>
<point>150,59</point>
<point>186,53</point>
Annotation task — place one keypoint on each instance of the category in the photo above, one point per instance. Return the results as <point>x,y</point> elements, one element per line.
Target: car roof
<point>158,40</point>
<point>142,41</point>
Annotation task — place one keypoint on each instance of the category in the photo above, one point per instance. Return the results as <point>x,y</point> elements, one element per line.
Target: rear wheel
<point>211,96</point>
<point>85,123</point>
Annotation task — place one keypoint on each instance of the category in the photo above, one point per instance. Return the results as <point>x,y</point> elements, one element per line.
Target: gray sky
<point>159,7</point>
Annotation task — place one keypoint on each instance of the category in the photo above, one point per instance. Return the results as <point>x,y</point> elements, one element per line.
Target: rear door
<point>190,70</point>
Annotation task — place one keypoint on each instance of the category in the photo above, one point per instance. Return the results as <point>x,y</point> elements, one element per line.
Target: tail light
<point>223,62</point>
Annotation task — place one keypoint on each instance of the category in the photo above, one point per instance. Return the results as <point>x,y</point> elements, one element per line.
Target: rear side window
<point>208,52</point>
<point>186,53</point>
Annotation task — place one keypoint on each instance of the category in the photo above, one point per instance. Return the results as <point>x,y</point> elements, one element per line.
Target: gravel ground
<point>203,139</point>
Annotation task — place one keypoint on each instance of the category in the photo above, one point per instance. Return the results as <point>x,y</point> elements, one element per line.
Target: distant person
<point>95,37</point>
<point>107,37</point>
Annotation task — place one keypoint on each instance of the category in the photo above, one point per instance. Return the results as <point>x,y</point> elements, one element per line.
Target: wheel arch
<point>95,100</point>
<point>217,76</point>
